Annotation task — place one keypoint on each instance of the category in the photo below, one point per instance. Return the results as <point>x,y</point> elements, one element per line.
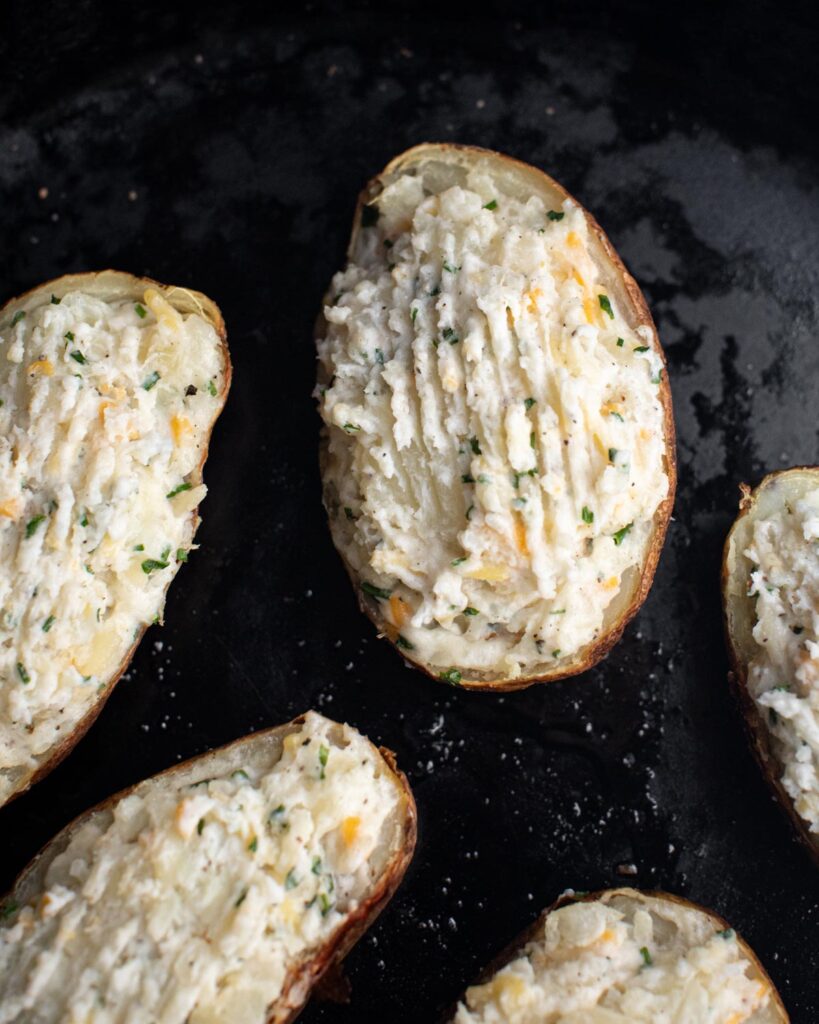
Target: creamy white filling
<point>784,674</point>
<point>594,964</point>
<point>105,411</point>
<point>189,904</point>
<point>496,444</point>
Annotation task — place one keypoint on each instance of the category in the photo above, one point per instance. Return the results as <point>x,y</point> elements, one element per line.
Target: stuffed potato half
<point>498,454</point>
<point>109,389</point>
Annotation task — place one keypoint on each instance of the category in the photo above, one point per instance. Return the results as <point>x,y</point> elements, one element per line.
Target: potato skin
<point>116,283</point>
<point>755,728</point>
<point>639,315</point>
<point>301,981</point>
<point>510,952</point>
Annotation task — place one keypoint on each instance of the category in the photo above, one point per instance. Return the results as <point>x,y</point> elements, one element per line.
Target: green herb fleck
<point>379,357</point>
<point>18,316</point>
<point>200,825</point>
<point>555,215</point>
<point>435,291</point>
<point>141,311</point>
<point>9,909</point>
<point>241,774</point>
<point>450,336</point>
<point>149,381</point>
<point>475,445</point>
<point>369,216</point>
<point>617,416</point>
<point>605,305</point>
<point>374,591</point>
<point>620,535</point>
<point>620,342</point>
<point>658,378</point>
<point>212,388</point>
<point>32,525</point>
<point>241,899</point>
<point>316,865</point>
<point>350,427</point>
<point>467,478</point>
<point>139,547</point>
<point>532,439</point>
<point>55,301</point>
<point>78,357</point>
<point>450,268</point>
<point>253,845</point>
<point>459,561</point>
<point>324,753</point>
<point>178,490</point>
<point>529,402</point>
<point>491,205</point>
<point>413,313</point>
<point>471,611</point>
<point>84,519</point>
<point>612,454</point>
<point>276,814</point>
<point>401,641</point>
<point>644,953</point>
<point>21,672</point>
<point>150,564</point>
<point>556,653</point>
<point>181,555</point>
<point>641,348</point>
<point>451,676</point>
<point>325,904</point>
<point>49,622</point>
<point>726,933</point>
<point>587,514</point>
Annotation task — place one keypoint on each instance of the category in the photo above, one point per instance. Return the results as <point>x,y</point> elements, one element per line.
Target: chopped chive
<point>451,676</point>
<point>658,378</point>
<point>8,909</point>
<point>450,268</point>
<point>532,439</point>
<point>241,899</point>
<point>18,316</point>
<point>491,205</point>
<point>149,381</point>
<point>369,216</point>
<point>178,490</point>
<point>612,454</point>
<point>374,591</point>
<point>84,519</point>
<point>620,535</point>
<point>379,357</point>
<point>253,845</point>
<point>350,427</point>
<point>529,402</point>
<point>556,653</point>
<point>459,561</point>
<point>78,357</point>
<point>316,865</point>
<point>467,478</point>
<point>640,348</point>
<point>276,813</point>
<point>212,388</point>
<point>620,342</point>
<point>555,215</point>
<point>139,547</point>
<point>435,291</point>
<point>471,611</point>
<point>401,641</point>
<point>32,525</point>
<point>21,672</point>
<point>587,514</point>
<point>617,416</point>
<point>49,622</point>
<point>727,933</point>
<point>475,445</point>
<point>241,774</point>
<point>605,305</point>
<point>325,904</point>
<point>181,555</point>
<point>150,564</point>
<point>323,755</point>
<point>644,953</point>
<point>141,312</point>
<point>200,825</point>
<point>413,313</point>
<point>55,301</point>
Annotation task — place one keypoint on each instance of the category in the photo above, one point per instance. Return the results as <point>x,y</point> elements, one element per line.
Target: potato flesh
<point>496,457</point>
<point>623,961</point>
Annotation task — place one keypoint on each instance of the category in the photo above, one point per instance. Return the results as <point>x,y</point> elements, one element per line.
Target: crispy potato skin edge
<point>301,981</point>
<point>128,283</point>
<point>639,315</point>
<point>755,729</point>
<point>510,952</point>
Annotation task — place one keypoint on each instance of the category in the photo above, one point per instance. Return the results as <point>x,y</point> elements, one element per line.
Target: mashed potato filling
<point>189,901</point>
<point>783,677</point>
<point>602,964</point>
<point>496,440</point>
<point>105,407</point>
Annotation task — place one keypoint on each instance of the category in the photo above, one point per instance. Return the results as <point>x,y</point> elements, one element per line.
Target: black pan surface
<point>222,147</point>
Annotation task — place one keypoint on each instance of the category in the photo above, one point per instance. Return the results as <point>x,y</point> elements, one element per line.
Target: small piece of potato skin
<point>774,1013</point>
<point>630,300</point>
<point>304,975</point>
<point>739,616</point>
<point>115,285</point>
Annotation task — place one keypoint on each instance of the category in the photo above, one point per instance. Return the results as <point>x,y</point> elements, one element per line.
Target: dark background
<point>223,148</point>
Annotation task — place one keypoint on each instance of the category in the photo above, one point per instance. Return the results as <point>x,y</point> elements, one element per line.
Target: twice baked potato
<point>217,892</point>
<point>625,957</point>
<point>109,389</point>
<point>770,589</point>
<point>498,453</point>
